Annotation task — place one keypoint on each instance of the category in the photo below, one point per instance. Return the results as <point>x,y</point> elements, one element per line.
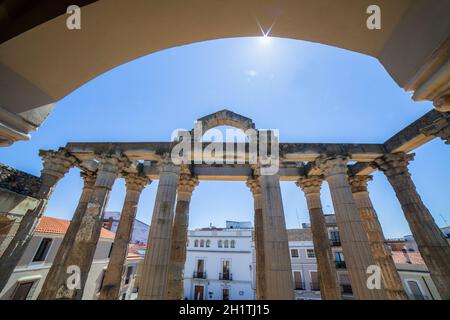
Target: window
<point>225,294</point>
<point>196,243</point>
<point>219,244</point>
<point>42,251</point>
<point>202,243</point>
<point>310,253</point>
<point>128,276</point>
<point>415,290</point>
<point>110,250</point>
<point>101,281</point>
<point>22,290</point>
<point>232,243</point>
<point>225,243</point>
<point>294,253</point>
<point>225,275</point>
<point>208,243</point>
<point>298,283</point>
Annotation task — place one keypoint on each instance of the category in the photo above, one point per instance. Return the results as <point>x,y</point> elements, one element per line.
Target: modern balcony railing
<point>226,276</point>
<point>335,242</point>
<point>314,286</point>
<point>199,275</point>
<point>340,264</point>
<point>346,288</point>
<point>299,285</point>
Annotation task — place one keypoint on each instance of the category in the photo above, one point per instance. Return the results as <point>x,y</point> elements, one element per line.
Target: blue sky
<point>310,92</point>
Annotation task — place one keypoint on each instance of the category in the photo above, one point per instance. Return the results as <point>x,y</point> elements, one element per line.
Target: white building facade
<point>219,264</point>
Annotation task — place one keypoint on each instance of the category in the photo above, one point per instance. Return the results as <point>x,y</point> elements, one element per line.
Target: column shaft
<point>59,266</point>
<point>255,188</point>
<point>278,281</point>
<point>355,245</point>
<point>153,282</point>
<point>56,165</point>
<point>113,277</point>
<point>329,284</point>
<point>81,253</point>
<point>432,244</point>
<point>381,254</point>
<point>175,278</point>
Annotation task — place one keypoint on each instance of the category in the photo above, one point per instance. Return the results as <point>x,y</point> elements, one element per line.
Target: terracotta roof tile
<point>409,257</point>
<point>60,226</point>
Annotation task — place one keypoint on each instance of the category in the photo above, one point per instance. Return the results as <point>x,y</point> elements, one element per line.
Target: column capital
<point>136,182</point>
<point>166,165</point>
<point>110,165</point>
<point>310,184</point>
<point>186,184</point>
<point>439,128</point>
<point>358,183</point>
<point>332,165</point>
<point>88,178</point>
<point>393,163</point>
<point>56,163</point>
<point>442,103</point>
<point>254,185</point>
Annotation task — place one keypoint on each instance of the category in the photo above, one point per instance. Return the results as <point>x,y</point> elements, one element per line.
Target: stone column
<point>278,276</point>
<point>329,283</point>
<point>186,185</point>
<point>255,188</point>
<point>56,165</point>
<point>381,253</point>
<point>153,282</point>
<point>59,266</point>
<point>431,242</point>
<point>81,253</point>
<point>355,244</point>
<point>112,281</point>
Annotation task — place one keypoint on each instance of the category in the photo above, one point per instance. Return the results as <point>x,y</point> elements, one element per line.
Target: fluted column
<point>329,284</point>
<point>81,254</point>
<point>110,290</point>
<point>278,276</point>
<point>381,253</point>
<point>255,188</point>
<point>59,266</point>
<point>177,259</point>
<point>56,165</point>
<point>153,282</point>
<point>355,245</point>
<point>431,242</point>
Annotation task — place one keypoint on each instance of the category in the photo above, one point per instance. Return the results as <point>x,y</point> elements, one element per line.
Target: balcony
<point>199,275</point>
<point>299,285</point>
<point>340,264</point>
<point>335,242</point>
<point>346,288</point>
<point>314,286</point>
<point>226,276</point>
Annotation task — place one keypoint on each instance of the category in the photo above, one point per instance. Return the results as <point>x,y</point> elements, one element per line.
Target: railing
<point>335,242</point>
<point>299,285</point>
<point>314,286</point>
<point>199,275</point>
<point>346,288</point>
<point>226,276</point>
<point>340,264</point>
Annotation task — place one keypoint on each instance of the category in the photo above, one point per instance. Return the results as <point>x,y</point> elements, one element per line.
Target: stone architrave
<point>432,244</point>
<point>381,253</point>
<point>355,245</point>
<point>329,283</point>
<point>155,268</point>
<point>186,185</point>
<point>56,165</point>
<point>255,188</point>
<point>112,281</point>
<point>59,266</point>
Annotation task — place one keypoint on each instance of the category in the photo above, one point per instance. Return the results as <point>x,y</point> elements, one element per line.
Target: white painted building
<point>219,263</point>
<point>140,229</point>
